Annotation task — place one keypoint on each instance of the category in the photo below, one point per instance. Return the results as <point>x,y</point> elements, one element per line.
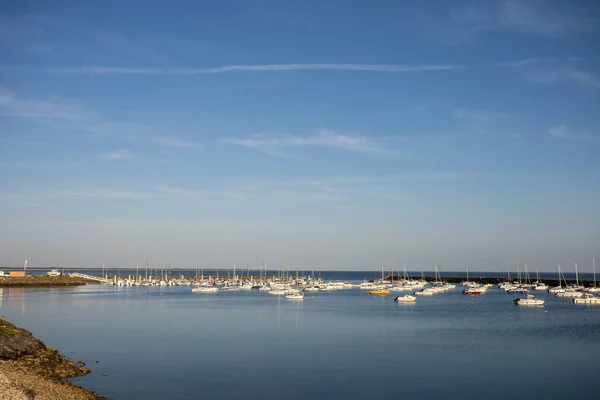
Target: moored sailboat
<point>594,289</point>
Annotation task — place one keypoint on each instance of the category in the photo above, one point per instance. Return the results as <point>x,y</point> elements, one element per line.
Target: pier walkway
<point>90,277</point>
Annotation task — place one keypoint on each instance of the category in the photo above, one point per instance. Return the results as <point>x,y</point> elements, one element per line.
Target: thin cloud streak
<point>460,22</point>
<point>563,73</point>
<point>235,68</point>
<point>476,115</point>
<point>563,132</point>
<point>101,194</point>
<point>337,190</point>
<point>54,108</point>
<point>584,78</point>
<point>389,68</point>
<point>175,143</point>
<point>119,155</point>
<point>275,144</point>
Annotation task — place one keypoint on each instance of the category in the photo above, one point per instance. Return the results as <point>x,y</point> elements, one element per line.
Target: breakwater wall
<point>42,281</point>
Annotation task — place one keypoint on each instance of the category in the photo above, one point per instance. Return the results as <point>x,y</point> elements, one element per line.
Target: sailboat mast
<point>594,268</point>
<point>559,281</point>
<point>576,275</point>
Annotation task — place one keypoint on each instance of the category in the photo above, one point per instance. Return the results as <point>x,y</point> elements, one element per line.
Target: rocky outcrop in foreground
<point>31,370</point>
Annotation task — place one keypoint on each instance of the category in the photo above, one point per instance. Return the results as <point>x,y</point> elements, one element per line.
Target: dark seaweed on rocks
<point>21,354</point>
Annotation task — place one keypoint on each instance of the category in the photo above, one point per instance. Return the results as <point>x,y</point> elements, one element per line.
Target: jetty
<point>42,281</point>
<point>90,278</point>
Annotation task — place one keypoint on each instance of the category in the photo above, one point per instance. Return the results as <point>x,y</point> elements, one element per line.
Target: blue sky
<point>317,134</point>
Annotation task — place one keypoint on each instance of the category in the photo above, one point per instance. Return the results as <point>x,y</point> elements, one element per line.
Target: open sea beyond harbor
<point>169,343</point>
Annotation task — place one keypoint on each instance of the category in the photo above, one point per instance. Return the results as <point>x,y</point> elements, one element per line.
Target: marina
<point>294,286</point>
<point>264,342</point>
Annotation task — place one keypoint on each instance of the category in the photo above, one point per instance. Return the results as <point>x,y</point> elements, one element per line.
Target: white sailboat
<point>295,296</point>
<point>559,288</point>
<point>205,289</point>
<point>539,285</point>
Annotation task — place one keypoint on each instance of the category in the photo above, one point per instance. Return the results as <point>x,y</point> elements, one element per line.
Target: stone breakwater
<point>42,281</point>
<point>31,370</point>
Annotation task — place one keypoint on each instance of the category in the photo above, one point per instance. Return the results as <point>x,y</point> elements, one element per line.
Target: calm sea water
<point>169,343</point>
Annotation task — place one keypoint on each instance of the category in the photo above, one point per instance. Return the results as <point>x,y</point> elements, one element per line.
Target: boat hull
<point>526,302</point>
<point>405,299</point>
<point>379,292</point>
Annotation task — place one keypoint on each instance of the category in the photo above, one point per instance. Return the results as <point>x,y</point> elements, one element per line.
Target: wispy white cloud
<point>337,191</point>
<point>137,132</point>
<point>563,132</point>
<point>350,189</point>
<point>175,142</point>
<point>528,62</point>
<point>535,70</point>
<point>99,70</point>
<point>461,21</point>
<point>275,144</point>
<point>479,115</point>
<point>99,194</point>
<point>76,116</point>
<point>547,17</point>
<point>26,33</point>
<point>237,194</point>
<point>383,68</point>
<point>119,155</point>
<point>55,107</point>
<point>566,73</point>
<point>124,45</point>
<point>584,78</point>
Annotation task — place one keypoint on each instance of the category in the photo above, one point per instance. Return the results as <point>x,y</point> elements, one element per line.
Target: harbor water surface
<point>169,343</point>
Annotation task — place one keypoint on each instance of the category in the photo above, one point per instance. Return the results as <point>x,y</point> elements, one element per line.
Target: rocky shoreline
<point>42,281</point>
<point>31,370</point>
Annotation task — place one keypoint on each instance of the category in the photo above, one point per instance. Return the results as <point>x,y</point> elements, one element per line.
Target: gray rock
<point>22,343</point>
